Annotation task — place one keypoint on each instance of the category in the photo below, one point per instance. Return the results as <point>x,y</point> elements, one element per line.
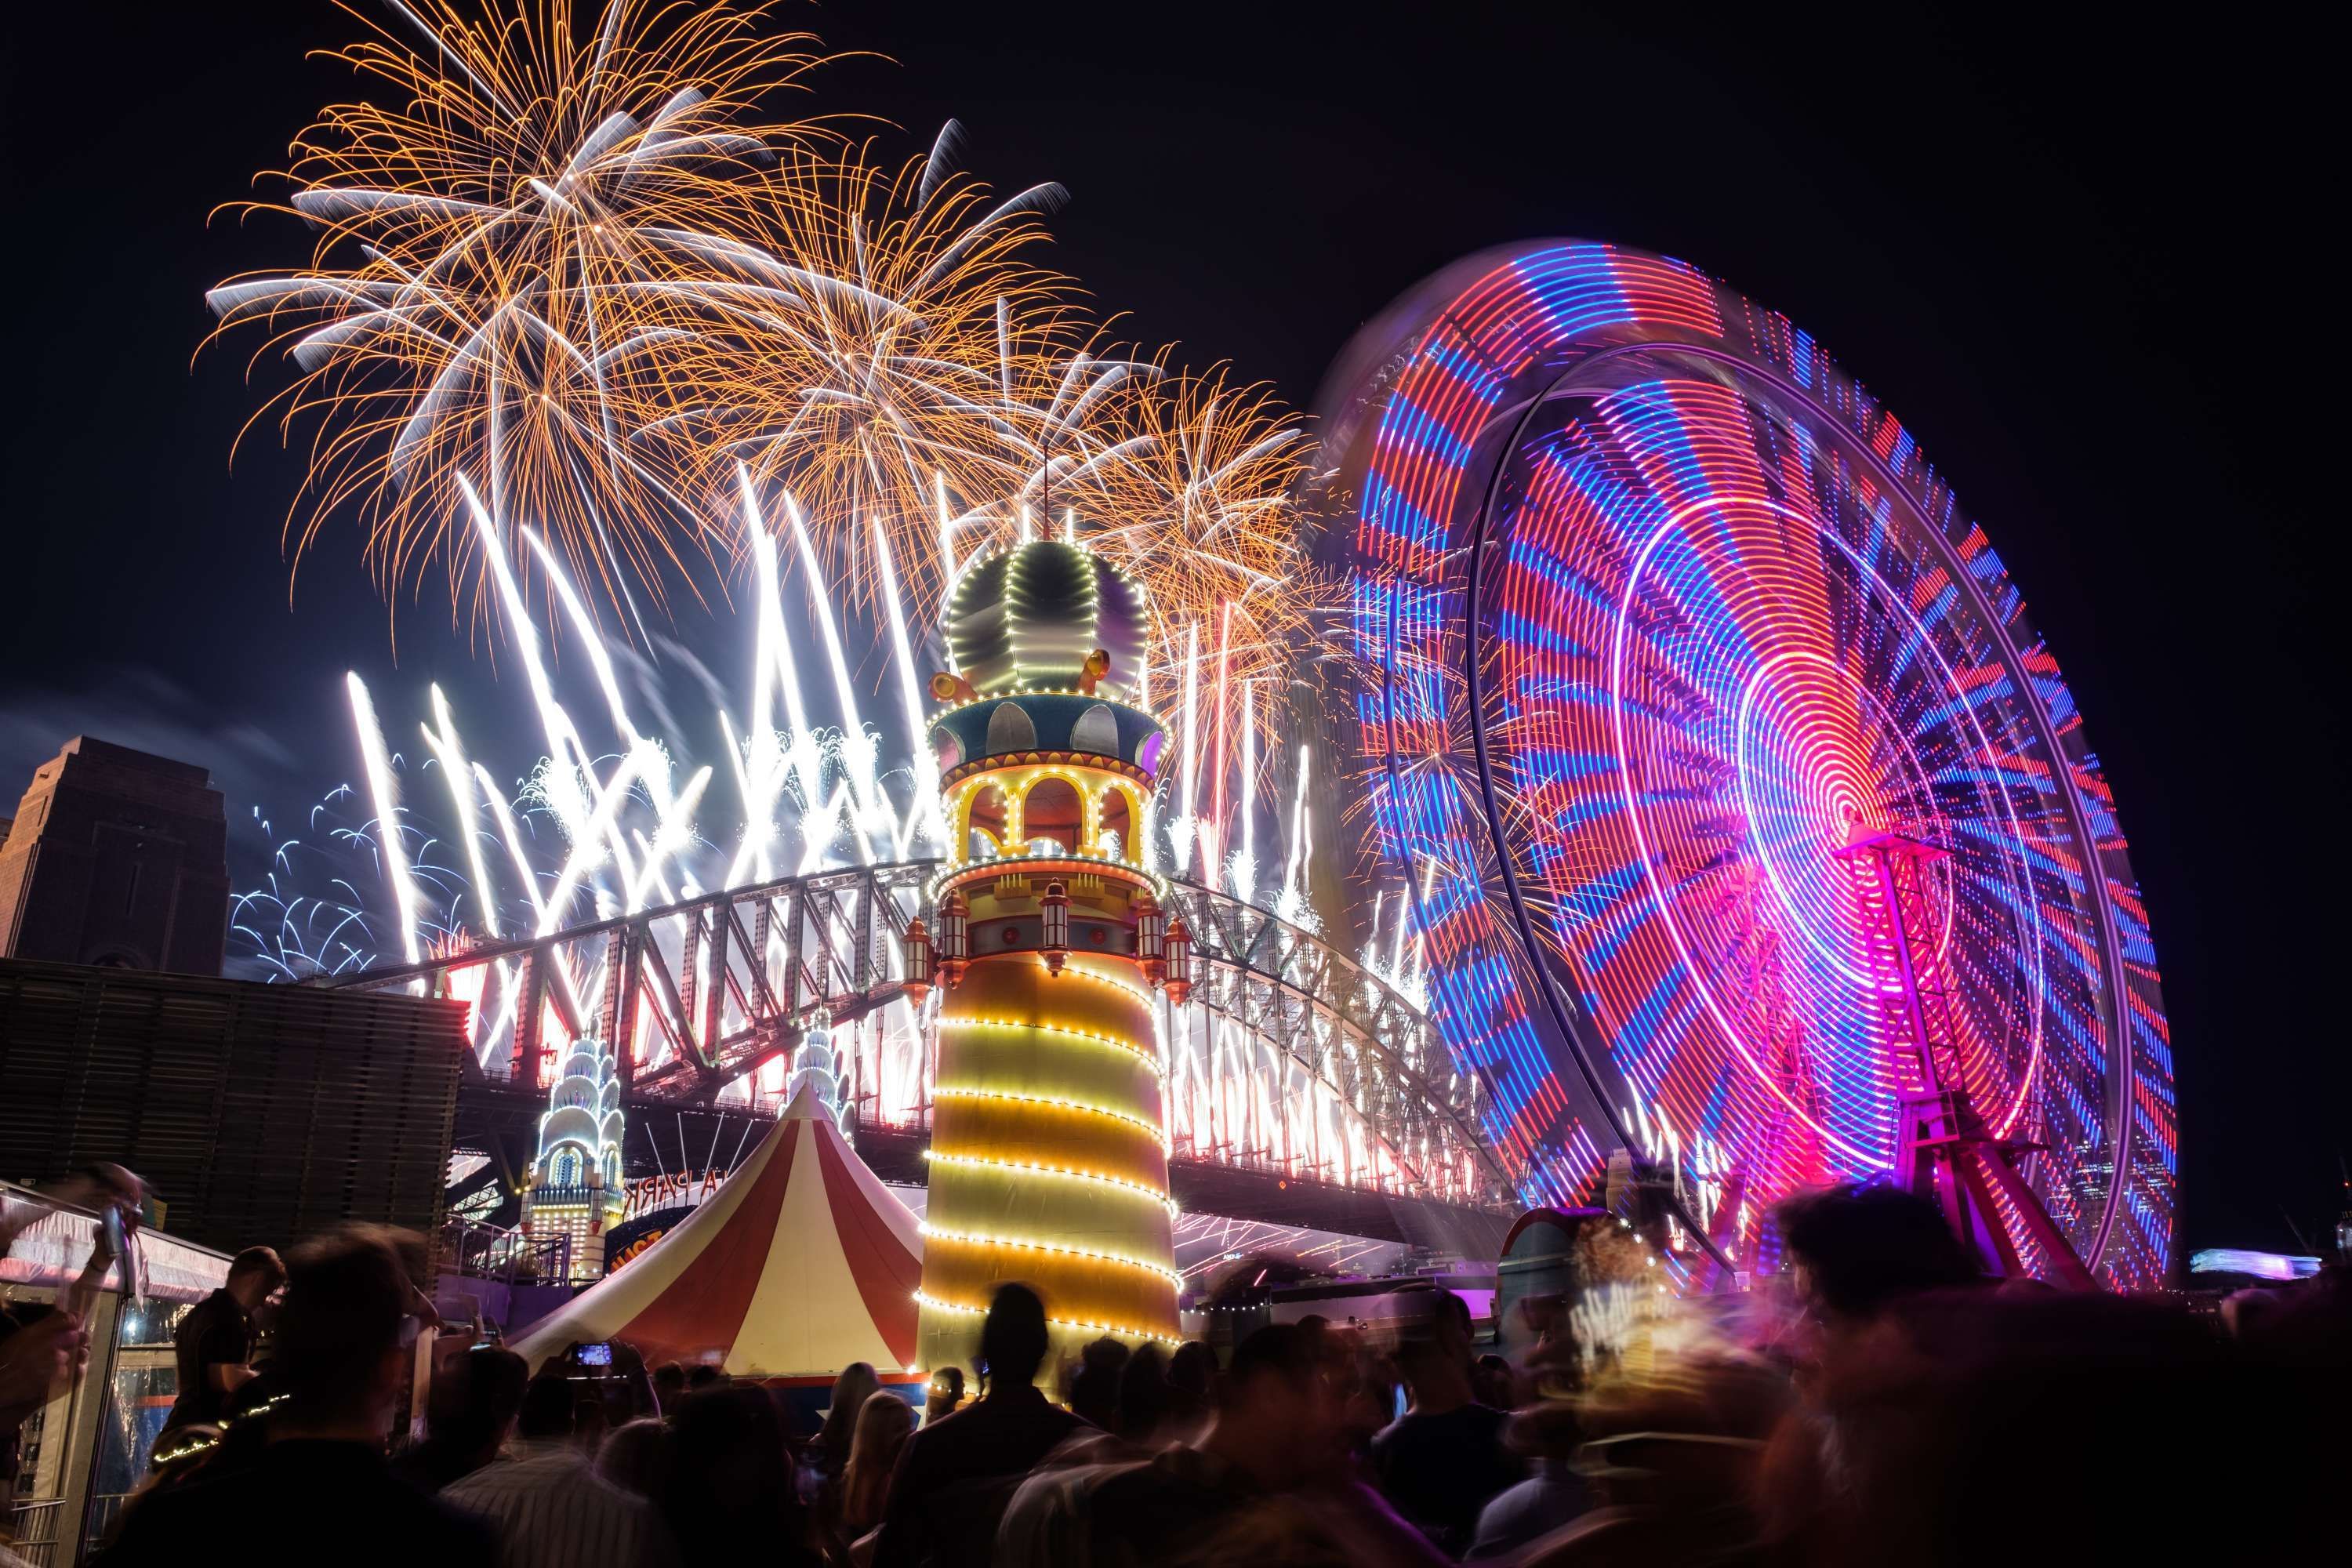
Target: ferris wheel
<point>1747,822</point>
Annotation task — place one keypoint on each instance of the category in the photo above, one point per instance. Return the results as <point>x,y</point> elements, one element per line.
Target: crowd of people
<point>1882,1402</point>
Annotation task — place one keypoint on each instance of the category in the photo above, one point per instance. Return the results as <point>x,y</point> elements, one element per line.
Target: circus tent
<point>800,1264</point>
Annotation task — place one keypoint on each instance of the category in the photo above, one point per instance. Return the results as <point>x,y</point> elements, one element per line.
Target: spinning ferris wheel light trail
<point>1656,616</point>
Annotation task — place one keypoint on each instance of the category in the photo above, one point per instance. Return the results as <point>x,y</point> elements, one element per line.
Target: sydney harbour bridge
<point>1304,1089</point>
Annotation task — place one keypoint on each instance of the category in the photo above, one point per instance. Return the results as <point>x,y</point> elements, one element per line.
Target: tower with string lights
<point>1049,1146</point>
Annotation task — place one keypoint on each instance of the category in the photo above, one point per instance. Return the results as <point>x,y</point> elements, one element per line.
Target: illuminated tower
<point>1049,1152</point>
<point>575,1183</point>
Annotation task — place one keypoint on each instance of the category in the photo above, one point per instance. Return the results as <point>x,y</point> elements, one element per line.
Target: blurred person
<point>635,1457</point>
<point>1675,1462</point>
<point>1857,1253</point>
<point>1144,1395</point>
<point>1443,1460</point>
<point>316,1482</point>
<point>730,1497</point>
<point>944,1394</point>
<point>955,1477</point>
<point>550,1506</point>
<point>1267,1482</point>
<point>705,1374</point>
<point>1860,1247</point>
<point>884,1425</point>
<point>44,1346</point>
<point>1948,1425</point>
<point>42,1351</point>
<point>469,1413</point>
<point>1369,1396</point>
<point>1553,1495</point>
<point>1191,1373</point>
<point>1494,1382</point>
<point>1094,1390</point>
<point>669,1386</point>
<point>213,1346</point>
<point>589,1422</point>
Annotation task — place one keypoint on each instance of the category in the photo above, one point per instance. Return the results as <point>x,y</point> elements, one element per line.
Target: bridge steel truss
<point>1290,1060</point>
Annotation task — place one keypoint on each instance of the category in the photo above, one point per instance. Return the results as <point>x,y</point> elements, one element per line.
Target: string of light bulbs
<point>1059,1102</point>
<point>982,1162</point>
<point>974,1239</point>
<point>1123,1330</point>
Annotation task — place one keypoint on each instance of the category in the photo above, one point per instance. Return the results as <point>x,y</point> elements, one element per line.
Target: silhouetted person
<point>213,1346</point>
<point>1442,1460</point>
<point>945,1393</point>
<point>635,1457</point>
<point>705,1374</point>
<point>468,1413</point>
<point>1191,1373</point>
<point>316,1488</point>
<point>1093,1391</point>
<point>669,1385</point>
<point>730,1497</point>
<point>550,1506</point>
<point>1143,1395</point>
<point>955,1477</point>
<point>1494,1382</point>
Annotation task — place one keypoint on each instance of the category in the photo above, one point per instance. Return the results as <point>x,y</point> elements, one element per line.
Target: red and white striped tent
<point>801,1263</point>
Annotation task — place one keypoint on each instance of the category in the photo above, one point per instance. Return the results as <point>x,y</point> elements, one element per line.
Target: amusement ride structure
<point>1748,820</point>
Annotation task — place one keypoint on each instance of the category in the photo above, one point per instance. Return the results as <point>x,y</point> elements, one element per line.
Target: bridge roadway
<point>666,1135</point>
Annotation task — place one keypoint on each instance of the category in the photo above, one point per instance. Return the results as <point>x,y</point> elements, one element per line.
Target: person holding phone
<point>214,1344</point>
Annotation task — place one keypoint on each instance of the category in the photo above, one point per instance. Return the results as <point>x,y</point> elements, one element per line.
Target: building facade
<point>120,859</point>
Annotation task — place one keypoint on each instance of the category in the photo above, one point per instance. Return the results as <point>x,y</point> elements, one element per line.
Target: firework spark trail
<point>927,821</point>
<point>383,792</point>
<point>1182,828</point>
<point>1242,875</point>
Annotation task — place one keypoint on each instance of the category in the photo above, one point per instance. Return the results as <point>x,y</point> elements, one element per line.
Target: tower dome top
<point>1028,618</point>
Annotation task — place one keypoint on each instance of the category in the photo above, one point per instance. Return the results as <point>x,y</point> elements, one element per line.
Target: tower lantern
<point>955,940</point>
<point>915,961</point>
<point>1049,1160</point>
<point>1150,941</point>
<point>1180,962</point>
<point>1055,936</point>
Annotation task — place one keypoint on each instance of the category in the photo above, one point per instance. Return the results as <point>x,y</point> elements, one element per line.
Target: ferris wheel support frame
<point>1943,1151</point>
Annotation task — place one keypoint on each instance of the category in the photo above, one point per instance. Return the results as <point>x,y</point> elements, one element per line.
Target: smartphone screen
<point>595,1356</point>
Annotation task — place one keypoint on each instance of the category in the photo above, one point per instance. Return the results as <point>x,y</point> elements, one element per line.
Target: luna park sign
<point>668,1190</point>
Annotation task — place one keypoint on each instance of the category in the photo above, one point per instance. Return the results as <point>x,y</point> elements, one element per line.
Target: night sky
<point>2081,263</point>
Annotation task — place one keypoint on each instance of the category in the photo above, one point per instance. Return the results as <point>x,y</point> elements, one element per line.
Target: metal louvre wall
<point>259,1113</point>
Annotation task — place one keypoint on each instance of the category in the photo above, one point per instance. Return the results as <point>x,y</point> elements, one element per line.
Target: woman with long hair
<point>883,1426</point>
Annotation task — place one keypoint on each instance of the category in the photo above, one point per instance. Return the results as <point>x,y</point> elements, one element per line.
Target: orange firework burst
<point>896,383</point>
<point>1190,487</point>
<point>577,264</point>
<point>500,259</point>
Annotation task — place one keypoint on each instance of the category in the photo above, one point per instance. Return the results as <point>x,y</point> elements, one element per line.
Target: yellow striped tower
<point>1049,1149</point>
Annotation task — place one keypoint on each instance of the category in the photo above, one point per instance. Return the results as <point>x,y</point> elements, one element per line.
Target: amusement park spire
<point>1049,1148</point>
